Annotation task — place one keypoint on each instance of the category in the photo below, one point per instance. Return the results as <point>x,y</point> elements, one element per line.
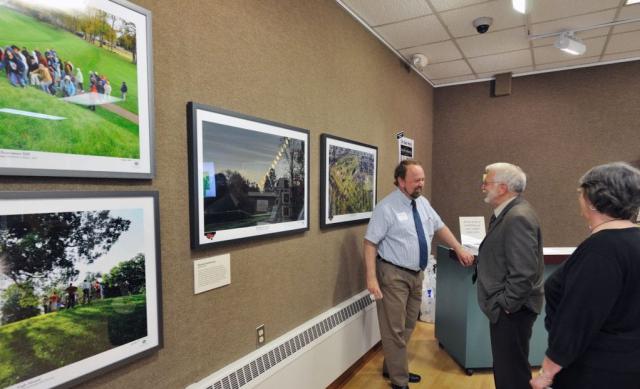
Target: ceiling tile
<point>415,32</point>
<point>377,12</point>
<point>452,80</point>
<point>627,41</point>
<point>630,12</point>
<point>574,23</point>
<point>626,27</point>
<point>524,69</point>
<point>549,54</point>
<point>494,42</point>
<point>546,10</point>
<point>436,52</point>
<point>566,64</point>
<point>443,5</point>
<point>447,69</point>
<point>460,21</point>
<point>635,55</point>
<point>501,62</point>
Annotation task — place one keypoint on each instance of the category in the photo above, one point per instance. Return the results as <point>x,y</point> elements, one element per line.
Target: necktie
<point>474,277</point>
<point>422,240</point>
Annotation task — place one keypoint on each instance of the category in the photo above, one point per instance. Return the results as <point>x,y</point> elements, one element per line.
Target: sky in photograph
<point>73,7</point>
<point>128,245</point>
<point>57,5</point>
<point>249,152</point>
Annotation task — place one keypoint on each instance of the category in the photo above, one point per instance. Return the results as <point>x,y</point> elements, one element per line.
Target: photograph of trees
<point>249,176</point>
<point>69,80</point>
<point>72,285</point>
<point>349,174</point>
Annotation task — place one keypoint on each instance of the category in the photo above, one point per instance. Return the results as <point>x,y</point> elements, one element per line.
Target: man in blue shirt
<point>396,248</point>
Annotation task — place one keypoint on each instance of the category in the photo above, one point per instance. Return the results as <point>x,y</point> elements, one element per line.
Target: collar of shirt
<point>498,210</point>
<point>404,199</point>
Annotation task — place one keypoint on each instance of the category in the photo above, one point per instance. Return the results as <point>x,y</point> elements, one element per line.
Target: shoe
<point>413,378</point>
<point>399,387</point>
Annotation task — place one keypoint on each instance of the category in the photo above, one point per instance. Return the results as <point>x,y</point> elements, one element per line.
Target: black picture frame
<point>358,161</point>
<point>102,125</point>
<point>248,177</point>
<point>106,246</point>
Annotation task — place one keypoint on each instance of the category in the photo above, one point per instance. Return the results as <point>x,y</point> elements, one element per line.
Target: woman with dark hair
<point>593,299</point>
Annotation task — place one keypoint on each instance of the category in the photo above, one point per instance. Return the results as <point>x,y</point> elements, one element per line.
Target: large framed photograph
<point>79,284</point>
<point>248,177</point>
<point>76,92</point>
<point>348,181</point>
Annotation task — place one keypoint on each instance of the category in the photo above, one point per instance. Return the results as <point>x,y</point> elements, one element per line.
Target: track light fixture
<point>568,43</point>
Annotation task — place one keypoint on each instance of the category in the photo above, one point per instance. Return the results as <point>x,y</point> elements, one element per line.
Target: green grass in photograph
<point>83,132</point>
<point>249,221</point>
<point>24,31</point>
<point>37,345</point>
<point>350,191</point>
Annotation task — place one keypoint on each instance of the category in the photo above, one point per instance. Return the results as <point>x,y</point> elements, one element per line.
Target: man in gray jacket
<point>510,274</point>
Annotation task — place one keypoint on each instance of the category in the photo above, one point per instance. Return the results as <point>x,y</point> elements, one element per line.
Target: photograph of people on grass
<point>72,286</point>
<point>251,178</point>
<point>68,79</point>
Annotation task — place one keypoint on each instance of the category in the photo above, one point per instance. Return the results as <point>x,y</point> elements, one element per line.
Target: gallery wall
<point>555,126</point>
<point>306,64</point>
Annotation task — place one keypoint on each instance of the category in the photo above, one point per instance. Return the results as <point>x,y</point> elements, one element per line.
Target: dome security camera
<point>482,24</point>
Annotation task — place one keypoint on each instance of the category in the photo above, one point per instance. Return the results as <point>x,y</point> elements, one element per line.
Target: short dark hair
<point>613,189</point>
<point>401,169</point>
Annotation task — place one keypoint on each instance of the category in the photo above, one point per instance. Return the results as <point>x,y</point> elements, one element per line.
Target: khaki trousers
<point>398,312</point>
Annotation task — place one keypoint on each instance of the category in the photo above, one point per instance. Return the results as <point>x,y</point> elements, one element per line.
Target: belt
<point>414,272</point>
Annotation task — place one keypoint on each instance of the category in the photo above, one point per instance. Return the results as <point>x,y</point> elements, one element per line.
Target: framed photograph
<point>77,97</point>
<point>348,181</point>
<point>79,284</point>
<point>248,177</point>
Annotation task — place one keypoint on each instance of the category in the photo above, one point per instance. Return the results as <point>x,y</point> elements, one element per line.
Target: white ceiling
<point>443,31</point>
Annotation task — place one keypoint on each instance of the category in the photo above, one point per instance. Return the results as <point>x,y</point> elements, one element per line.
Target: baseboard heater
<point>310,356</point>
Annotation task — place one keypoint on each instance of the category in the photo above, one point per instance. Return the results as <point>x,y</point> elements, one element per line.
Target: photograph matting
<point>116,142</point>
<point>355,164</point>
<point>256,174</point>
<point>122,314</point>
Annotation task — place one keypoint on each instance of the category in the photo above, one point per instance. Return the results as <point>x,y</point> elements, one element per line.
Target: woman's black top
<point>593,303</point>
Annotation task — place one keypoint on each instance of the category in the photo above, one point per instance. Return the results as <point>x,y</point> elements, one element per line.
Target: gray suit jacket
<point>510,262</point>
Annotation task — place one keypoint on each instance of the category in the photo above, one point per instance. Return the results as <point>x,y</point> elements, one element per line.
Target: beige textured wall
<point>554,125</point>
<point>302,63</point>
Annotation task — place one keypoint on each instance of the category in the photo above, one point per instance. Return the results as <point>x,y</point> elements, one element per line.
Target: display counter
<point>460,326</point>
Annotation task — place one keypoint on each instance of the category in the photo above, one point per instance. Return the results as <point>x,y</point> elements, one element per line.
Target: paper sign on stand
<point>472,232</point>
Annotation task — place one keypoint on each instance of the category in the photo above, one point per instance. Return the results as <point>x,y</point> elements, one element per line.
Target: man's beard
<point>416,193</point>
<point>490,196</point>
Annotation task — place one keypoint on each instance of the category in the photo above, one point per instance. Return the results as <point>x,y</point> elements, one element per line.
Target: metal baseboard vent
<point>257,367</point>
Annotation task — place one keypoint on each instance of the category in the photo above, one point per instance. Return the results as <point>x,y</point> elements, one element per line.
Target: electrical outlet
<point>261,337</point>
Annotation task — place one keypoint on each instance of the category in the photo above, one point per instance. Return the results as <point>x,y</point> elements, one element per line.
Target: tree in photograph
<point>270,181</point>
<point>128,276</point>
<point>19,302</point>
<point>294,154</point>
<point>127,39</point>
<point>35,246</point>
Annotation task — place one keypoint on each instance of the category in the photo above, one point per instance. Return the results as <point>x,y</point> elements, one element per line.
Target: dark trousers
<point>510,338</point>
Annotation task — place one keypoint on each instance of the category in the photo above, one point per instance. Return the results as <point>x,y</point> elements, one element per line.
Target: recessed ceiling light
<point>629,2</point>
<point>521,5</point>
